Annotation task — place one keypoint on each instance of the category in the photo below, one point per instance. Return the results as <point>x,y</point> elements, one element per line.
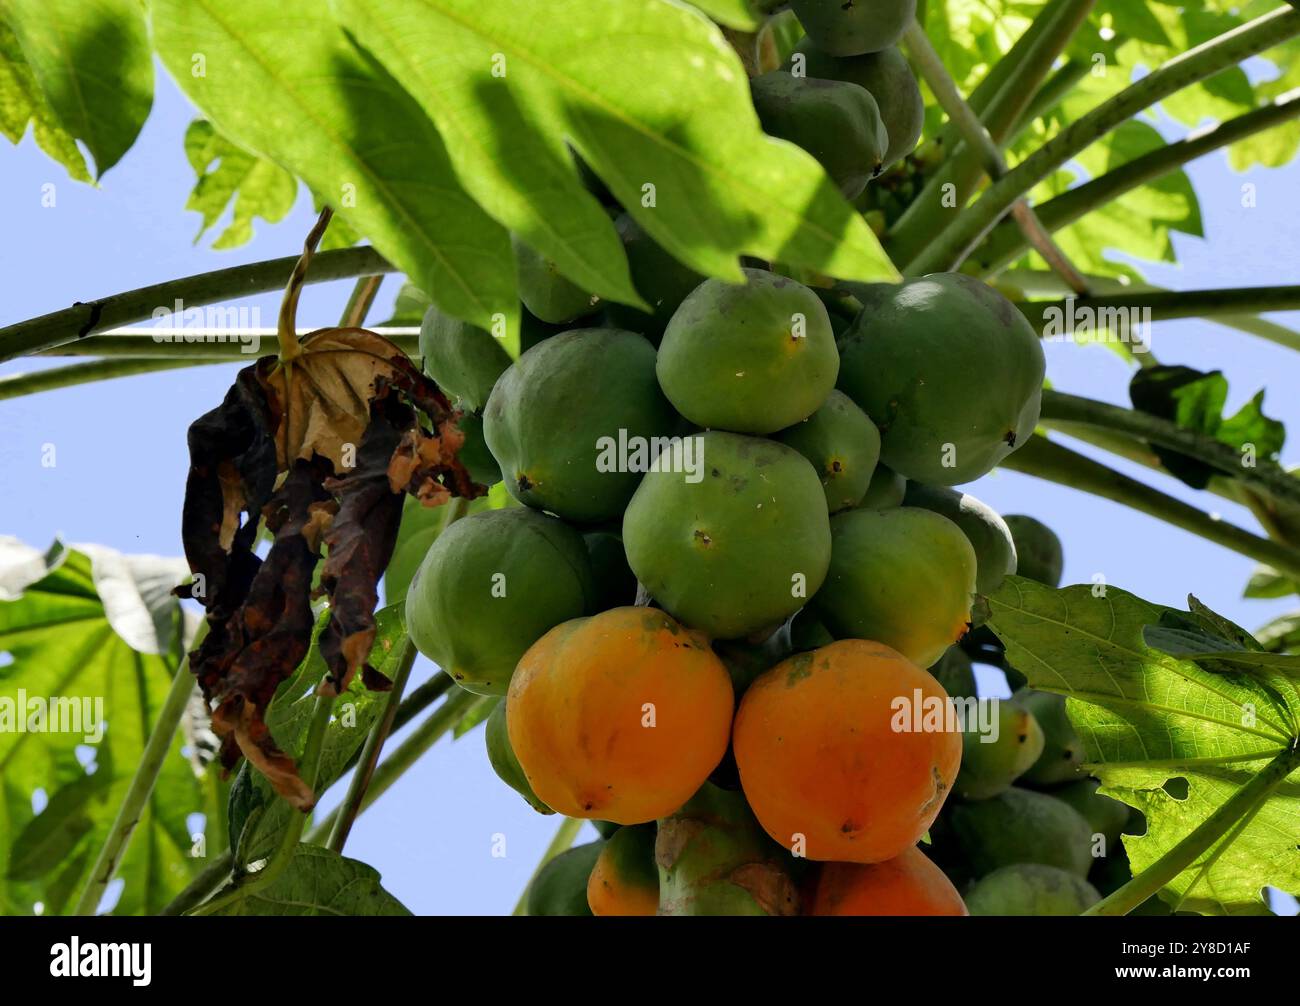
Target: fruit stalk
<point>564,837</point>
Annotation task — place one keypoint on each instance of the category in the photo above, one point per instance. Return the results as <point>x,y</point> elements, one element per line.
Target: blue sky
<point>121,457</point>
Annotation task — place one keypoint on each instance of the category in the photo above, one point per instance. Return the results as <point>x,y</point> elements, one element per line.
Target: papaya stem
<point>1168,305</point>
<point>1005,244</point>
<point>1213,828</point>
<point>1049,460</point>
<point>564,837</point>
<point>986,150</point>
<point>1270,478</point>
<point>76,323</point>
<point>54,378</point>
<point>950,248</point>
<point>290,348</point>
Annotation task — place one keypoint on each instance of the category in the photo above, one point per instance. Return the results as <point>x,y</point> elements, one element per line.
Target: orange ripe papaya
<point>908,884</point>
<point>625,880</point>
<point>847,752</point>
<point>620,716</point>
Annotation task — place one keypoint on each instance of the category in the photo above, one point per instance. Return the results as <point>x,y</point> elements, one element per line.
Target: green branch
<point>564,836</point>
<point>142,345</point>
<point>17,385</point>
<point>1048,460</point>
<point>1028,63</point>
<point>1166,305</point>
<point>951,246</point>
<point>1005,243</point>
<point>1201,839</point>
<point>1270,478</point>
<point>1051,94</point>
<point>82,319</point>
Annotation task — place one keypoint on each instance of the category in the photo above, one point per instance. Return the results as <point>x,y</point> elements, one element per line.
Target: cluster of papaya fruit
<point>728,604</point>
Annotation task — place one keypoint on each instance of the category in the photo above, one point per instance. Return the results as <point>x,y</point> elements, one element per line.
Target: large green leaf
<point>326,112</point>
<point>1148,719</point>
<point>21,103</point>
<point>318,882</point>
<point>90,625</point>
<point>92,62</point>
<point>656,102</point>
<point>226,173</point>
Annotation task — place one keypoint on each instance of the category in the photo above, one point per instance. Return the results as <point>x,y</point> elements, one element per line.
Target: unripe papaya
<point>904,577</point>
<point>662,281</point>
<point>885,490</point>
<point>830,764</point>
<point>464,359</point>
<point>842,444</point>
<point>739,550</point>
<point>854,27</point>
<point>751,358</point>
<point>620,716</point>
<point>950,372</point>
<point>615,581</point>
<point>1038,549</point>
<point>1031,889</point>
<point>714,859</point>
<point>807,632</point>
<point>1017,826</point>
<point>837,122</point>
<point>605,829</point>
<point>546,292</point>
<point>988,534</point>
<point>956,673</point>
<point>992,761</point>
<point>560,887</point>
<point>1106,816</point>
<point>557,419</point>
<point>625,880</point>
<point>908,884</point>
<point>504,763</point>
<point>1062,757</point>
<point>474,453</point>
<point>491,584</point>
<point>886,76</point>
<point>745,660</point>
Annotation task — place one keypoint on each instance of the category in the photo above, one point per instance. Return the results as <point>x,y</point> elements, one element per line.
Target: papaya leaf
<point>685,156</point>
<point>257,816</point>
<point>227,174</point>
<point>94,636</point>
<point>733,13</point>
<point>1150,720</point>
<point>418,531</point>
<point>409,308</point>
<point>1280,635</point>
<point>319,882</point>
<point>22,103</point>
<point>91,61</point>
<point>326,112</point>
<point>1266,582</point>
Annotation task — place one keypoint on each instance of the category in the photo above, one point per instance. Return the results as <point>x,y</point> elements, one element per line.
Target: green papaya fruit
<point>903,577</point>
<point>842,444</point>
<point>662,281</point>
<point>558,419</point>
<point>502,758</point>
<point>885,490</point>
<point>1031,889</point>
<point>995,553</point>
<point>615,581</point>
<point>837,122</point>
<point>474,453</point>
<point>605,829</point>
<point>545,291</point>
<point>741,548</point>
<point>715,859</point>
<point>1039,552</point>
<point>464,359</point>
<point>808,633</point>
<point>1062,757</point>
<point>750,358</point>
<point>991,760</point>
<point>888,78</point>
<point>1017,826</point>
<point>956,673</point>
<point>853,27</point>
<point>625,879</point>
<point>950,372</point>
<point>490,586</point>
<point>745,660</point>
<point>560,887</point>
<point>1106,815</point>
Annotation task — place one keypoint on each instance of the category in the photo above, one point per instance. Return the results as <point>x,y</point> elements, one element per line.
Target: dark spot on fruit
<point>524,483</point>
<point>703,538</point>
<point>1009,438</point>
